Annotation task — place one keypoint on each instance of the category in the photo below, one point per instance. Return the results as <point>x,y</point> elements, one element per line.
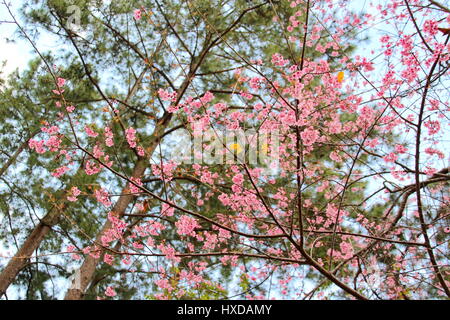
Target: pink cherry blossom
<point>137,14</point>
<point>61,82</point>
<point>90,132</point>
<point>110,292</point>
<point>103,196</point>
<point>309,136</point>
<point>74,193</point>
<point>186,225</point>
<point>109,136</point>
<point>131,137</point>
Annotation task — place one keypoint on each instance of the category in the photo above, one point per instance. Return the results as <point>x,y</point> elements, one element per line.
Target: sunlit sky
<point>17,53</point>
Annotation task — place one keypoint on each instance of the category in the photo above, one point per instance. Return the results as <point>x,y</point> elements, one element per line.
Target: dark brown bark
<point>16,154</point>
<point>85,274</point>
<point>21,258</point>
<point>87,270</point>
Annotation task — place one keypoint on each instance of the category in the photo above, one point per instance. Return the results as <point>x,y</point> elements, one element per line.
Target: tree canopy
<point>227,149</point>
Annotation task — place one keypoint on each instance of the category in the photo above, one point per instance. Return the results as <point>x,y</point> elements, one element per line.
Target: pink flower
<point>432,126</point>
<point>432,151</point>
<point>335,156</point>
<point>38,146</point>
<point>166,95</point>
<point>137,14</point>
<point>90,132</point>
<point>61,82</point>
<point>167,210</point>
<point>60,171</point>
<point>53,143</point>
<point>207,97</point>
<point>91,168</point>
<point>246,95</point>
<point>74,193</point>
<point>50,130</point>
<point>167,170</point>
<point>278,60</point>
<point>309,136</point>
<point>133,187</point>
<point>385,39</point>
<point>97,152</point>
<point>400,149</point>
<point>238,179</point>
<point>109,137</point>
<point>372,143</point>
<point>163,284</point>
<point>169,252</point>
<point>138,245</point>
<point>131,137</point>
<point>71,248</point>
<point>126,260</point>
<point>109,259</point>
<point>429,171</point>
<point>58,92</point>
<point>431,27</point>
<point>103,196</point>
<point>110,292</point>
<point>391,157</point>
<point>140,151</point>
<point>186,226</point>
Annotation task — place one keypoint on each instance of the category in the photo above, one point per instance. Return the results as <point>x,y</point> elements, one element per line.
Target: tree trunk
<point>21,258</point>
<point>85,274</point>
<point>16,154</point>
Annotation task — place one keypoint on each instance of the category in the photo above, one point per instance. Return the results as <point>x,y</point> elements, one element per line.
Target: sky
<point>18,52</point>
<point>14,53</point>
